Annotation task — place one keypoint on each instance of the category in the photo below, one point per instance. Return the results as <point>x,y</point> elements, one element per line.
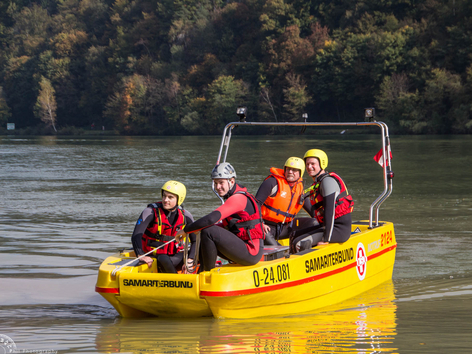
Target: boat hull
<point>325,276</point>
<point>317,278</point>
<point>139,291</point>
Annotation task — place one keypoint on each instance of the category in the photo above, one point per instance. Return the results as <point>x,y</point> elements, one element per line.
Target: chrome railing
<point>387,167</point>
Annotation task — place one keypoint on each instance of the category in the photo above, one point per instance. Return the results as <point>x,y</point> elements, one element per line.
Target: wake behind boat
<point>280,284</point>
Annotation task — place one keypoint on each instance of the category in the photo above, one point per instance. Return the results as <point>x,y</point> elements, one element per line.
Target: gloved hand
<point>180,235</point>
<point>190,266</point>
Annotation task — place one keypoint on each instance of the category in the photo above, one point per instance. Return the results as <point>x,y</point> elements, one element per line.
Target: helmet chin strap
<point>230,185</point>
<point>314,177</point>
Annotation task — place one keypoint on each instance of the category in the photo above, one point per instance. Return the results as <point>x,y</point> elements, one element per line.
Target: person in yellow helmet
<point>328,201</point>
<point>158,224</point>
<point>280,196</point>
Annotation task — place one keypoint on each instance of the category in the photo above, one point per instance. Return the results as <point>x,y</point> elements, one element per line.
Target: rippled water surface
<point>68,203</point>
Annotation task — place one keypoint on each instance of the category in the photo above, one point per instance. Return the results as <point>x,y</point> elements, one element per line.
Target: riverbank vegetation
<point>183,66</point>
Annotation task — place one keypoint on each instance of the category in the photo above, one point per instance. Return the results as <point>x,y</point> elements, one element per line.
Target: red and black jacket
<point>160,231</point>
<point>246,226</point>
<point>344,201</point>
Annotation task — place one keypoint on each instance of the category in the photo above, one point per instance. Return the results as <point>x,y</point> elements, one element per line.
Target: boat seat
<point>309,250</point>
<point>124,261</point>
<point>275,252</point>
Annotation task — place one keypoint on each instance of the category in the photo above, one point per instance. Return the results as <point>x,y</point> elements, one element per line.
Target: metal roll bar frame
<point>387,167</point>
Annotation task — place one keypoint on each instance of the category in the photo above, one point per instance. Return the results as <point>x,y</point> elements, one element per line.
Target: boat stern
<point>139,291</point>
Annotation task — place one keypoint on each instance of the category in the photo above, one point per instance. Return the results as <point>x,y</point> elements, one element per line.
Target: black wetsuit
<point>165,263</point>
<point>332,230</point>
<point>217,241</point>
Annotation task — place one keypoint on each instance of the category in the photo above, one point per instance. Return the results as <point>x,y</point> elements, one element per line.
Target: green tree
<point>442,96</point>
<point>464,122</point>
<point>5,112</point>
<point>223,97</point>
<point>276,15</point>
<point>402,109</point>
<point>30,30</point>
<point>96,85</point>
<point>296,97</point>
<point>193,119</point>
<point>19,87</point>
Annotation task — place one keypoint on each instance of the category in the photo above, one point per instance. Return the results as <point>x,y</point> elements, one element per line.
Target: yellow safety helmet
<point>176,188</point>
<point>320,155</point>
<point>296,162</point>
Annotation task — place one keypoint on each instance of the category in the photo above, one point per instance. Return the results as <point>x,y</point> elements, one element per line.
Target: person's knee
<point>211,232</point>
<point>165,265</point>
<point>340,238</point>
<point>270,240</point>
<point>206,235</point>
<point>304,244</point>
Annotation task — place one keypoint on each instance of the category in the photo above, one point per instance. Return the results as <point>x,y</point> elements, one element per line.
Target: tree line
<point>183,66</point>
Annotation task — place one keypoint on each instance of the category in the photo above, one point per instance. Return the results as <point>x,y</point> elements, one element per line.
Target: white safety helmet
<point>223,170</point>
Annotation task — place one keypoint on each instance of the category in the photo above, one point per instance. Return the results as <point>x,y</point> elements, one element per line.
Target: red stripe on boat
<point>388,249</point>
<point>107,290</point>
<point>292,283</point>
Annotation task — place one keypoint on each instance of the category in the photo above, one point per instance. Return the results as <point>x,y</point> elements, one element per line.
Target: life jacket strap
<point>279,212</point>
<point>159,239</point>
<point>235,225</point>
<point>154,243</point>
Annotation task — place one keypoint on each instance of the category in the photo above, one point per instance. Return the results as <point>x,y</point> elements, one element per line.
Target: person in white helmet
<point>234,230</point>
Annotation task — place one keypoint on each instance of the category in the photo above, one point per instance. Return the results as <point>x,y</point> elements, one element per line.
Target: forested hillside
<point>183,66</point>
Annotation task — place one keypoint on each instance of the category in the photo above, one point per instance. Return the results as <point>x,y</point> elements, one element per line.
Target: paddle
<point>143,255</point>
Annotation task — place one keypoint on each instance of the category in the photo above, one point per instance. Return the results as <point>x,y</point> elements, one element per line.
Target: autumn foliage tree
<point>172,67</point>
<point>45,108</point>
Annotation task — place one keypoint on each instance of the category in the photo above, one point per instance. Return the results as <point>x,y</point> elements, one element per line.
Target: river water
<point>67,203</point>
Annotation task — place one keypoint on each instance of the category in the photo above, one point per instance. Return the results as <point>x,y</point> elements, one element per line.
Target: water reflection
<point>68,203</point>
<point>365,324</point>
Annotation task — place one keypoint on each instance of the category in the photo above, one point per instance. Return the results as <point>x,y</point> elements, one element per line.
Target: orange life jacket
<point>161,231</point>
<point>286,203</point>
<point>344,201</point>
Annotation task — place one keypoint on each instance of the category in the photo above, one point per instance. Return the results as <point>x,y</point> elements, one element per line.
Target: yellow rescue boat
<point>280,284</point>
<point>362,324</point>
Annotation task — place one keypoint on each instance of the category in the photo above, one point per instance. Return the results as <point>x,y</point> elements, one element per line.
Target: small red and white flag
<point>380,158</point>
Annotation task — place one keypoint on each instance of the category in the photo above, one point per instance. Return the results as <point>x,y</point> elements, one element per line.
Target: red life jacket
<point>344,201</point>
<point>244,225</point>
<point>161,231</point>
<point>285,205</point>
